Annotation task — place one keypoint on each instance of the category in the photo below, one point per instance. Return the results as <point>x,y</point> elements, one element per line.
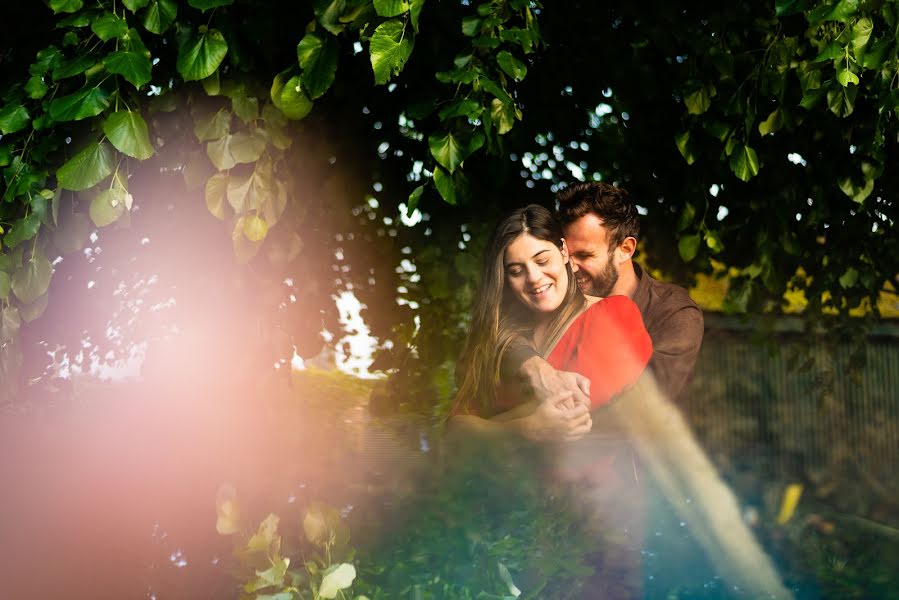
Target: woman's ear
<point>564,252</point>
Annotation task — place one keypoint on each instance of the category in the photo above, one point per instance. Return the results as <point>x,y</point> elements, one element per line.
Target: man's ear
<point>625,250</point>
<point>565,256</point>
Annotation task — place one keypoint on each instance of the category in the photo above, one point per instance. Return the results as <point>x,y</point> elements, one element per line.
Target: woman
<point>527,289</point>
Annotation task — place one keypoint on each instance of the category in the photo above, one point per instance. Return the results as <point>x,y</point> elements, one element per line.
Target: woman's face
<point>535,272</point>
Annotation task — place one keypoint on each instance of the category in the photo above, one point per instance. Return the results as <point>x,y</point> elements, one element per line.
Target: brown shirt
<point>674,323</point>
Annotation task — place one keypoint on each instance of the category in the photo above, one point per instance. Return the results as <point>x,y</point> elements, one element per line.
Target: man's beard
<point>603,284</point>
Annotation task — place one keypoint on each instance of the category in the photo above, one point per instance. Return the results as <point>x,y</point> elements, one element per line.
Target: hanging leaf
<point>773,123</point>
<point>65,6</point>
<point>87,168</point>
<point>159,16</point>
<point>36,88</point>
<point>244,251</point>
<point>72,233</point>
<point>327,13</point>
<point>127,131</point>
<point>213,126</point>
<point>216,187</point>
<point>246,148</point>
<point>10,322</point>
<point>108,206</point>
<point>32,279</point>
<point>503,115</point>
<point>744,162</point>
<point>699,101</point>
<point>415,12</point>
<point>23,230</point>
<point>205,5</point>
<point>249,193</point>
<point>847,78</point>
<point>76,66</point>
<point>451,149</point>
<point>861,33</point>
<point>841,101</point>
<point>109,26</point>
<point>686,217</point>
<point>682,141</point>
<point>513,67</point>
<point>414,199</point>
<point>246,108</point>
<point>858,193</point>
<point>317,56</point>
<point>135,67</point>
<point>274,203</point>
<point>33,310</point>
<point>713,241</point>
<point>390,48</point>
<point>444,184</point>
<point>391,8</point>
<point>293,102</point>
<point>255,228</point>
<point>135,5</point>
<point>199,57</point>
<point>13,118</point>
<point>688,247</point>
<point>86,102</point>
<point>5,285</point>
<point>219,152</point>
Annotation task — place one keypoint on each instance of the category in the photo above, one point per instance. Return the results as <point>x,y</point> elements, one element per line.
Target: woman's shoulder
<point>614,305</point>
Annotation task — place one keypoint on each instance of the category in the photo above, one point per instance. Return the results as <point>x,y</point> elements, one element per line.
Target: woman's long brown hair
<point>498,317</point>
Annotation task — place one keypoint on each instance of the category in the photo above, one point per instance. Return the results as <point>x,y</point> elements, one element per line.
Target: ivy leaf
<point>255,228</point>
<point>688,247</point>
<point>213,126</point>
<point>513,67</point>
<point>450,150</point>
<point>10,322</point>
<point>65,6</point>
<point>159,16</point>
<point>391,8</point>
<point>36,88</point>
<point>214,193</point>
<point>205,5</point>
<point>87,168</point>
<point>246,108</point>
<point>445,186</point>
<point>773,123</point>
<point>108,206</point>
<point>744,162</point>
<point>390,48</point>
<point>13,118</point>
<point>847,78</point>
<point>293,102</point>
<point>328,12</point>
<point>127,131</point>
<point>86,102</point>
<point>699,101</point>
<point>135,67</point>
<point>109,26</point>
<point>22,230</point>
<point>682,141</point>
<point>200,57</point>
<point>317,56</point>
<point>32,279</point>
<point>135,5</point>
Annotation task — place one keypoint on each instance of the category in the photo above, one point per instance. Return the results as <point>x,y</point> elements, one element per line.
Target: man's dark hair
<point>609,203</point>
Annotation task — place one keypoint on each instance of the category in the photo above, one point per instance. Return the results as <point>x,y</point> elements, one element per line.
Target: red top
<point>608,344</point>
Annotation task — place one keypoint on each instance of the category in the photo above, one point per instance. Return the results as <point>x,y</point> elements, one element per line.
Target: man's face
<point>588,247</point>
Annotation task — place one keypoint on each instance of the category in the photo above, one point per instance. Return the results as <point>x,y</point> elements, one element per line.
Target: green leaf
<point>470,26</point>
<point>47,60</point>
<point>811,98</point>
<point>858,193</point>
<point>328,12</point>
<point>317,56</point>
<point>451,149</point>
<point>76,66</point>
<point>293,102</point>
<point>108,206</point>
<point>389,49</point>
<point>135,5</point>
<point>783,8</point>
<point>22,230</point>
<point>72,233</point>
<point>830,52</point>
<point>250,192</point>
<point>773,123</point>
<point>127,131</point>
<point>682,141</point>
<point>841,101</point>
<point>86,102</point>
<point>847,78</point>
<point>32,279</point>
<point>873,56</point>
<point>255,228</point>
<point>685,219</point>
<point>212,85</point>
<point>5,285</point>
<point>109,26</point>
<point>65,6</point>
<point>415,12</point>
<point>246,148</point>
<point>699,101</point>
<point>713,241</point>
<point>842,11</point>
<point>391,8</point>
<point>246,108</point>
<point>33,310</point>
<point>10,322</point>
<point>13,118</point>
<point>445,186</point>
<point>135,67</point>
<point>688,247</point>
<point>494,88</point>
<point>36,88</point>
<point>849,278</point>
<point>219,152</point>
<point>503,115</point>
<point>414,199</point>
<point>205,5</point>
<point>513,67</point>
<point>274,204</point>
<point>213,126</point>
<point>87,168</point>
<point>861,33</point>
<point>200,57</point>
<point>215,190</point>
<point>744,162</point>
<point>466,107</point>
<point>159,16</point>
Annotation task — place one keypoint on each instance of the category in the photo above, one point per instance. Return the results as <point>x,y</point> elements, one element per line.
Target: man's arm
<point>550,421</point>
<point>539,379</point>
<point>676,345</point>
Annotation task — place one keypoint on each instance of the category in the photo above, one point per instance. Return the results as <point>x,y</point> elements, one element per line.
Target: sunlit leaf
<point>244,251</point>
<point>108,206</point>
<point>744,162</point>
<point>199,57</point>
<point>109,26</point>
<point>682,141</point>
<point>445,186</point>
<point>127,131</point>
<point>414,198</point>
<point>503,115</point>
<point>513,67</point>
<point>86,102</point>
<point>216,187</point>
<point>293,101</point>
<point>847,78</point>
<point>317,55</point>
<point>159,16</point>
<point>451,149</point>
<point>391,8</point>
<point>255,228</point>
<point>66,6</point>
<point>135,5</point>
<point>699,101</point>
<point>688,247</point>
<point>134,66</point>
<point>773,123</point>
<point>336,578</point>
<point>390,48</point>
<point>87,168</point>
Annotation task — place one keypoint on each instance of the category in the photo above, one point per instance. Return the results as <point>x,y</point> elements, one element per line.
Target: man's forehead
<point>587,229</point>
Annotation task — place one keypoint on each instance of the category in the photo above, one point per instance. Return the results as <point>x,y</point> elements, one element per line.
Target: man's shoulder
<point>664,298</point>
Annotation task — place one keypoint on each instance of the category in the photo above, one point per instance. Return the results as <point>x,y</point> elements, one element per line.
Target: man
<point>601,226</point>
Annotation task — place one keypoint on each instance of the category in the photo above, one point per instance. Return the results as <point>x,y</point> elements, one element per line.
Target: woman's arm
<point>553,420</point>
